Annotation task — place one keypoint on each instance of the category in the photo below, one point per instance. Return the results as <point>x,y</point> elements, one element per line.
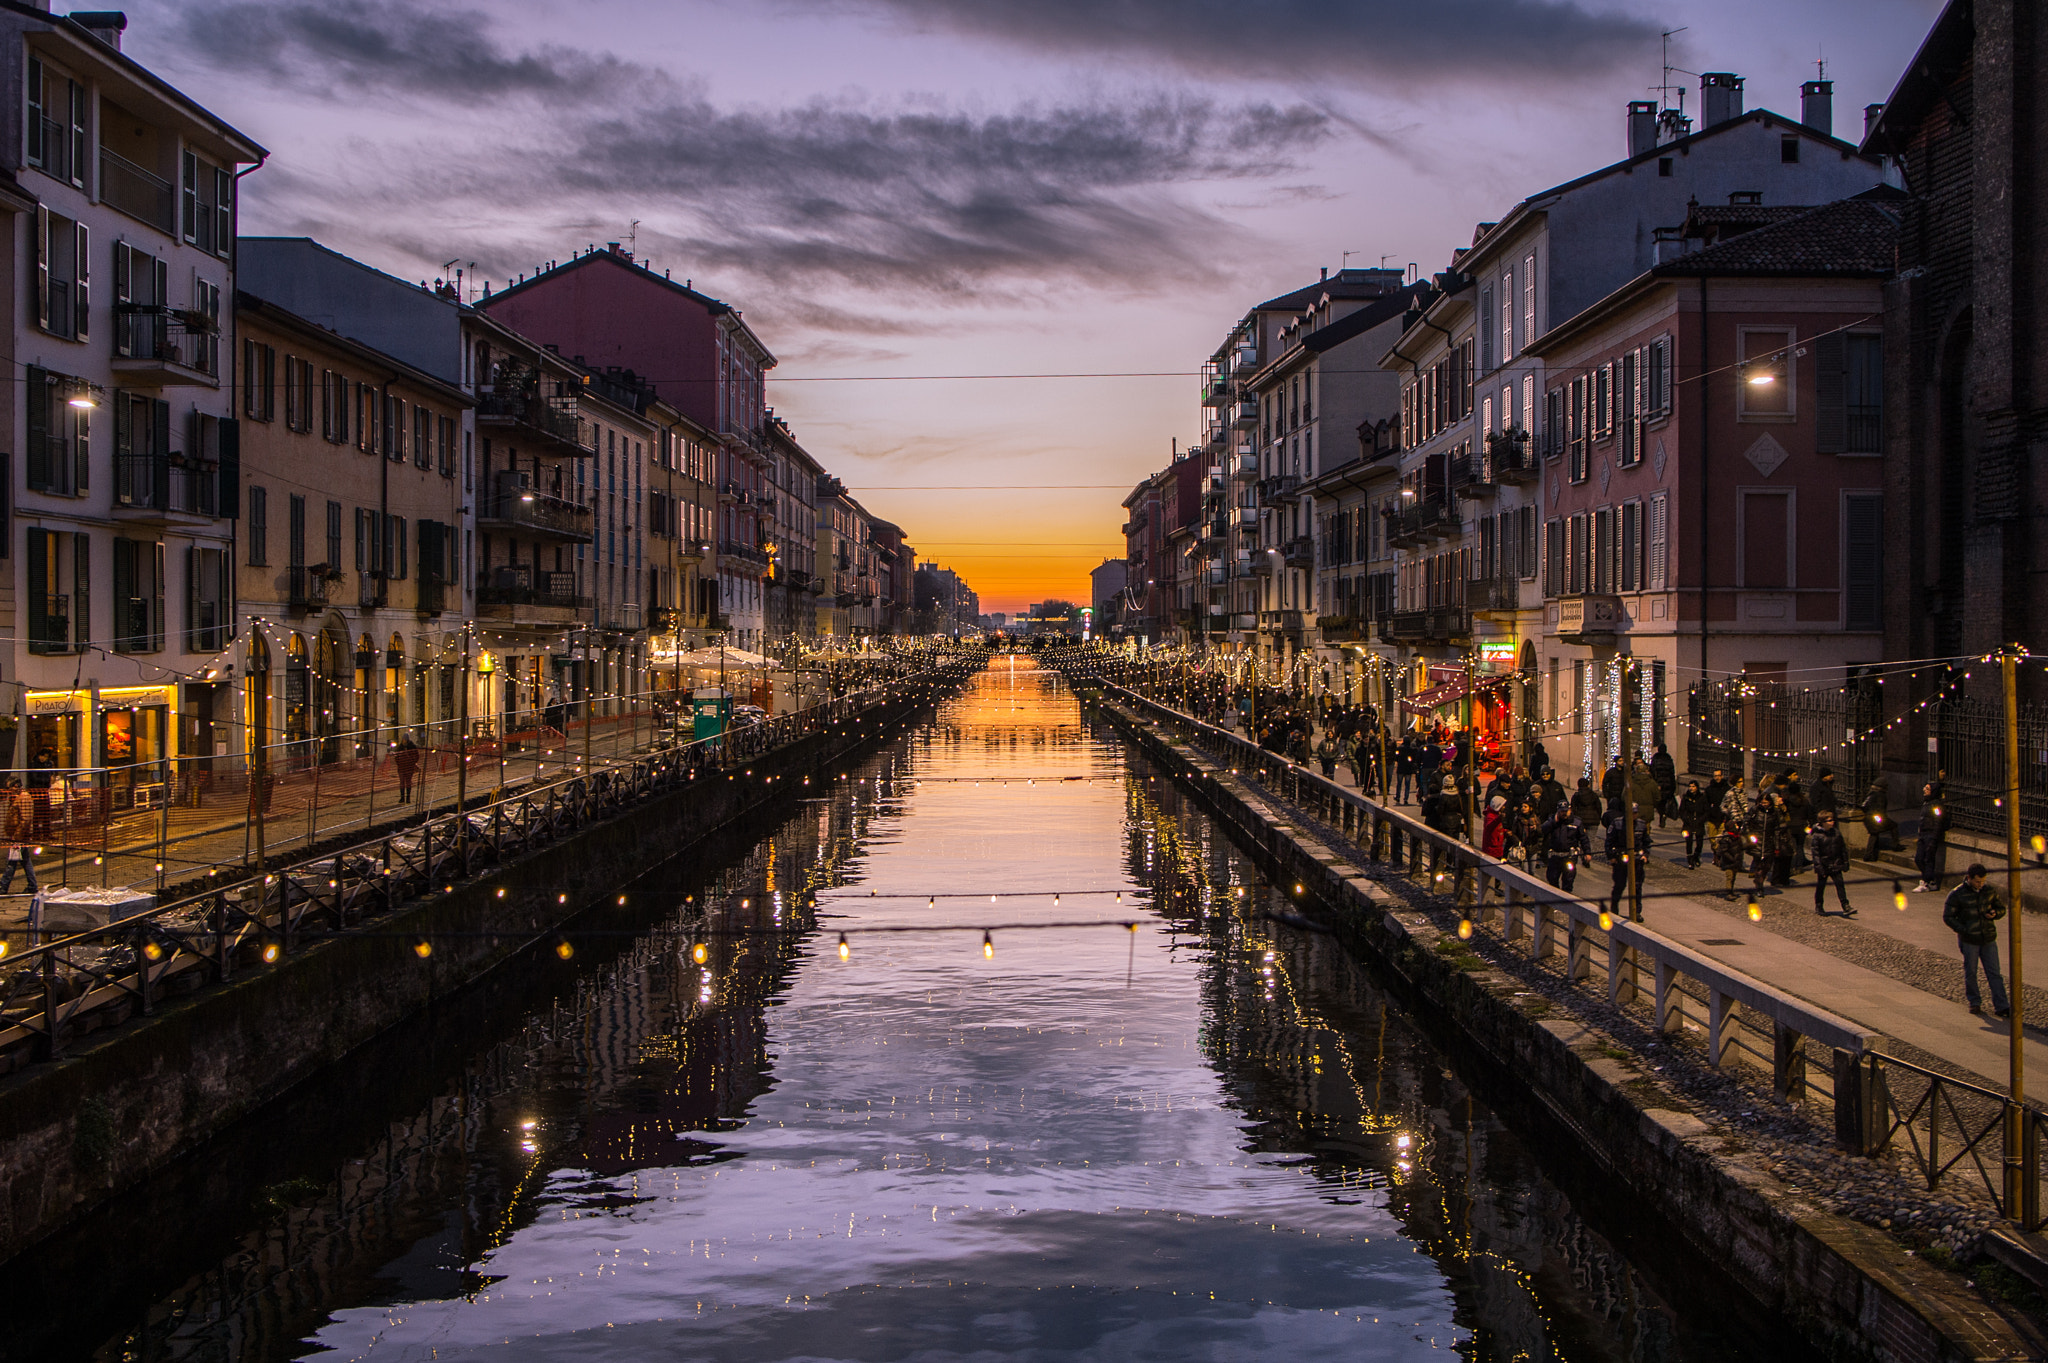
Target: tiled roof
<point>1857,237</point>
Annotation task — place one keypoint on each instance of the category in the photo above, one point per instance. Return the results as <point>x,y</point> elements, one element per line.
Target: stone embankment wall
<point>126,1101</point>
<point>1850,1290</point>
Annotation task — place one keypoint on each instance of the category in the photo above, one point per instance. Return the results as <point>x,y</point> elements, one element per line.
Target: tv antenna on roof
<point>1664,90</point>
<point>633,236</point>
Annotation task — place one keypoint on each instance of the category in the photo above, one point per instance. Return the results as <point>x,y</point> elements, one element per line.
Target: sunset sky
<point>893,188</point>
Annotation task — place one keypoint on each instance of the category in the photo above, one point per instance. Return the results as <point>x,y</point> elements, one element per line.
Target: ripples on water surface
<point>1209,1138</point>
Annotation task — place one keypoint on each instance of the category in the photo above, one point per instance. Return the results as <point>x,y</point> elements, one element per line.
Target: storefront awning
<point>1422,702</point>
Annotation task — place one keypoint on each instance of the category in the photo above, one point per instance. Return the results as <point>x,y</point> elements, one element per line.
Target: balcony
<point>1255,561</point>
<point>1214,530</point>
<point>1500,597</point>
<point>1514,460</point>
<point>745,553</point>
<point>520,596</point>
<point>1244,623</point>
<point>1422,524</point>
<point>1219,392</point>
<point>1438,624</point>
<point>1215,575</point>
<point>1589,618</point>
<point>1245,517</point>
<point>1300,552</point>
<point>622,617</point>
<point>1245,468</point>
<point>1340,629</point>
<point>1472,476</point>
<point>157,487</point>
<point>50,630</point>
<point>311,589</point>
<point>141,194</point>
<point>165,346</point>
<point>525,411</point>
<point>432,598</point>
<point>1246,415</point>
<point>1279,486</point>
<point>1213,485</point>
<point>515,507</point>
<point>1244,362</point>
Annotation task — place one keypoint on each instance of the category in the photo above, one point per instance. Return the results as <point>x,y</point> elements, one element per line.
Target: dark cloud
<point>378,45</point>
<point>1530,41</point>
<point>911,202</point>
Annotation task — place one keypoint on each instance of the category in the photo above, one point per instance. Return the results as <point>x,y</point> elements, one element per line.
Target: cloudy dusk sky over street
<point>943,187</point>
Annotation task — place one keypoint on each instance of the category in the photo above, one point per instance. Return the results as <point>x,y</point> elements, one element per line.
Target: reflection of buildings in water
<point>1312,1054</point>
<point>637,1051</point>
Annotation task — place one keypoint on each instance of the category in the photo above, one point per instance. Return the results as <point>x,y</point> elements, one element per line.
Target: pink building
<point>607,310</point>
<point>1712,496</point>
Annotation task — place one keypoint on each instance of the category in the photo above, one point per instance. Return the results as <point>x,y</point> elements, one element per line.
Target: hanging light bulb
<point>844,950</point>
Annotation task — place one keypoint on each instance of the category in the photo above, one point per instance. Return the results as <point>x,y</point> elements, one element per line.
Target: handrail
<point>1523,894</point>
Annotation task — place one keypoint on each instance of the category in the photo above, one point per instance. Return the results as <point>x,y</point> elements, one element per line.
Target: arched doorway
<point>1531,728</point>
<point>330,652</point>
<point>296,704</point>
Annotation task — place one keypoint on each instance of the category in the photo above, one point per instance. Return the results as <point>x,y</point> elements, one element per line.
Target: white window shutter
<point>43,267</point>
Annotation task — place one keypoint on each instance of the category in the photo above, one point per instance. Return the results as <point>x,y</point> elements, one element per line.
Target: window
<point>394,429</point>
<point>1656,368</point>
<point>206,219</point>
<point>63,266</point>
<point>333,558</point>
<point>259,527</point>
<point>1507,315</point>
<point>259,380</point>
<point>1863,560</point>
<point>1487,325</point>
<point>1525,538</point>
<point>138,596</point>
<point>1788,151</point>
<point>1603,402</point>
<point>1552,443</point>
<point>1849,393</point>
<point>295,532</point>
<point>367,425</point>
<point>206,600</point>
<point>1664,166</point>
<point>333,407</point>
<point>59,436</point>
<point>58,590</point>
<point>1528,422</point>
<point>1657,535</point>
<point>1628,395</point>
<point>141,299</point>
<point>422,438</point>
<point>298,393</point>
<point>444,445</point>
<point>205,341</point>
<point>56,124</point>
<point>1529,298</point>
<point>1766,375</point>
<point>1630,577</point>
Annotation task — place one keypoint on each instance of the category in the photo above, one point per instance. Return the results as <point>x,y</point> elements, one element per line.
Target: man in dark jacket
<point>1715,792</point>
<point>1930,847</point>
<point>1586,803</point>
<point>1692,818</point>
<point>1665,773</point>
<point>1565,848</point>
<point>1613,783</point>
<point>1623,860</point>
<point>1404,769</point>
<point>1799,811</point>
<point>1823,793</point>
<point>1539,759</point>
<point>1830,855</point>
<point>1876,809</point>
<point>1548,794</point>
<point>1972,912</point>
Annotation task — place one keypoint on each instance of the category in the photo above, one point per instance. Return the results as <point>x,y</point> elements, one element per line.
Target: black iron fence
<point>1807,728</point>
<point>1967,750</point>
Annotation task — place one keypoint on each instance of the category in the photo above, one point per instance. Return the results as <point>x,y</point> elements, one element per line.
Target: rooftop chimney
<point>1871,113</point>
<point>1720,97</point>
<point>1642,126</point>
<point>104,24</point>
<point>1672,125</point>
<point>1817,106</point>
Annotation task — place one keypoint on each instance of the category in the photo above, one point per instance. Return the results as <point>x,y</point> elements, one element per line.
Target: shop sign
<point>1497,653</point>
<point>55,702</point>
<point>123,697</point>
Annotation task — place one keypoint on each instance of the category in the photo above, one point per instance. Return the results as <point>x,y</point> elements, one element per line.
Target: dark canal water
<point>1213,1137</point>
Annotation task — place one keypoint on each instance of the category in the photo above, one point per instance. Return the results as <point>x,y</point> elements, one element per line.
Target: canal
<point>1065,1091</point>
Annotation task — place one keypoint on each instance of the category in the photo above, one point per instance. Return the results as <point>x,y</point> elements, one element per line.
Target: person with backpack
<point>1829,852</point>
<point>1972,912</point>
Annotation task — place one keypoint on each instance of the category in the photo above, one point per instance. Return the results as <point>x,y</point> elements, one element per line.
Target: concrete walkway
<point>1891,971</point>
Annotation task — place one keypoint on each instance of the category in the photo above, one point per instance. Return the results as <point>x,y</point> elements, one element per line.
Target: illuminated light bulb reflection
<point>501,891</point>
<point>1898,897</point>
<point>423,948</point>
<point>698,953</point>
<point>269,953</point>
<point>844,950</point>
<point>988,947</point>
<point>564,950</point>
<point>1756,912</point>
<point>1464,929</point>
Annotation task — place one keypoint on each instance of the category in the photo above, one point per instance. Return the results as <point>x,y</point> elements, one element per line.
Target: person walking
<point>20,834</point>
<point>1876,808</point>
<point>1829,852</point>
<point>1586,803</point>
<point>1496,833</point>
<point>1714,792</point>
<point>1404,769</point>
<point>1972,911</point>
<point>405,755</point>
<point>1327,752</point>
<point>1930,845</point>
<point>1692,820</point>
<point>1565,848</point>
<point>1823,794</point>
<point>1614,783</point>
<point>1799,810</point>
<point>1728,854</point>
<point>1665,773</point>
<point>1539,758</point>
<point>1624,860</point>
